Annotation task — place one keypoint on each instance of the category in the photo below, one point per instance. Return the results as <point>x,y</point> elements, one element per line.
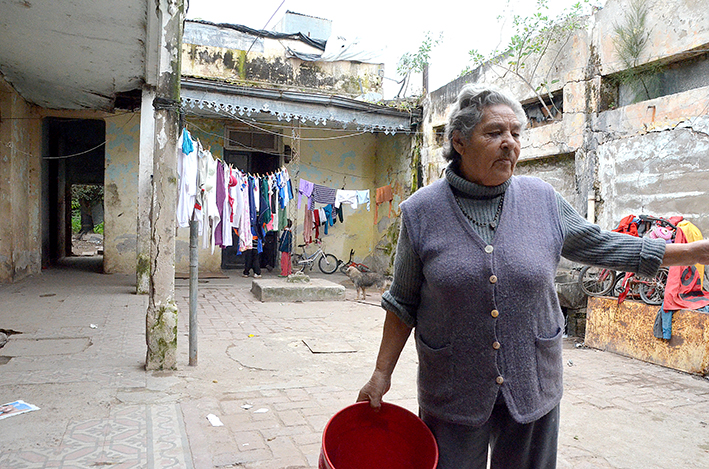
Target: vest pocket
<point>435,369</point>
<point>549,364</point>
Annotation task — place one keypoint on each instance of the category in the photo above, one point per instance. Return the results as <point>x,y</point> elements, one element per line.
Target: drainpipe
<point>591,215</point>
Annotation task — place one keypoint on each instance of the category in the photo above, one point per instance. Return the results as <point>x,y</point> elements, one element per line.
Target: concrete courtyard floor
<point>273,374</point>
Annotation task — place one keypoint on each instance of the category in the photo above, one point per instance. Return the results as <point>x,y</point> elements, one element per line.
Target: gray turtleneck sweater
<point>584,242</point>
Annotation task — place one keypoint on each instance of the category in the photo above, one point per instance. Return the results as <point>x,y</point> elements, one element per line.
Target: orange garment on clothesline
<point>384,194</point>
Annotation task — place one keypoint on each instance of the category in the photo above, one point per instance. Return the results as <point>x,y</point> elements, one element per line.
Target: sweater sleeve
<point>403,296</point>
<point>586,243</point>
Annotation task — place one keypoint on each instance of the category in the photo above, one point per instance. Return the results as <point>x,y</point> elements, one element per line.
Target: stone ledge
<point>281,290</point>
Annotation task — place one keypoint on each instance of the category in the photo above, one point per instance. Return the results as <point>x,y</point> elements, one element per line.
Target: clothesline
<point>226,201</point>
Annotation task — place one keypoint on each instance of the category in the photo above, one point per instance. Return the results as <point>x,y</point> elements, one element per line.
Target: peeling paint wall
<point>343,163</point>
<point>267,64</point>
<point>20,187</point>
<point>663,173</point>
<point>396,165</point>
<point>121,192</point>
<point>650,157</point>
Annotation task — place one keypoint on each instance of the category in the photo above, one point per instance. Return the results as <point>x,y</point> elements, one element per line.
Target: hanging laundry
<point>329,211</point>
<point>187,170</point>
<point>363,198</point>
<point>244,227</point>
<point>221,195</point>
<point>308,227</point>
<point>208,189</point>
<point>384,194</point>
<point>305,189</point>
<point>346,197</point>
<point>265,214</point>
<point>228,208</point>
<point>323,194</point>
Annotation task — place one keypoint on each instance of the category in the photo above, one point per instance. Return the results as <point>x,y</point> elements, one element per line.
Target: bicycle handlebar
<point>661,221</point>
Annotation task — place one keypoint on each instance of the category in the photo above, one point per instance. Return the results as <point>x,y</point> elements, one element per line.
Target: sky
<point>393,27</point>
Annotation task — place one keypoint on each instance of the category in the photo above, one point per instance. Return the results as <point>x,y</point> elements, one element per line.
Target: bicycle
<point>650,290</point>
<point>596,281</point>
<point>350,263</point>
<point>327,263</point>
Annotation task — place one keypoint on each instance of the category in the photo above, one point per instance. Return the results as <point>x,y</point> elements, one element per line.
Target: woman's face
<point>490,155</point>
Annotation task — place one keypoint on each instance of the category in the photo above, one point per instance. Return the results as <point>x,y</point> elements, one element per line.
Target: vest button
<point>499,380</point>
<point>495,313</point>
<point>489,249</point>
<point>496,345</point>
<point>493,279</point>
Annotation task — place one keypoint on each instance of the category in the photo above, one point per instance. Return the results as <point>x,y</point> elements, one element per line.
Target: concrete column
<point>161,319</point>
<point>145,191</point>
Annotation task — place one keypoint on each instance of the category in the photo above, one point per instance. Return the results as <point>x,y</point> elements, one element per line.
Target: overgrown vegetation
<point>415,62</point>
<point>83,198</point>
<point>630,41</point>
<point>537,41</point>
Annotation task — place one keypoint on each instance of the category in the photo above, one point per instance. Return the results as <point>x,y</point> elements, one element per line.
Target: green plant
<point>630,41</point>
<point>534,38</point>
<point>83,198</point>
<point>411,62</point>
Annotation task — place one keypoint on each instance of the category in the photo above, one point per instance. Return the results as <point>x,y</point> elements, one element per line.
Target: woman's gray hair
<point>468,112</point>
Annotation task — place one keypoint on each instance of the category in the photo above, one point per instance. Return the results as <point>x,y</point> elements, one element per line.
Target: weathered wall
<point>663,173</point>
<point>267,63</point>
<point>20,187</point>
<point>121,192</point>
<point>396,165</point>
<point>342,163</point>
<point>649,157</point>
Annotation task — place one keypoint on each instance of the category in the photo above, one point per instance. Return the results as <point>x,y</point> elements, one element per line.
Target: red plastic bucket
<point>357,437</point>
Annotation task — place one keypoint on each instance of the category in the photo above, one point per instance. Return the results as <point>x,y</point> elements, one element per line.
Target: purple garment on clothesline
<point>221,197</point>
<point>305,188</point>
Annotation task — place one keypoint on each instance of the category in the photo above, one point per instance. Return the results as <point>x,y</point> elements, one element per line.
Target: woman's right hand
<point>375,389</point>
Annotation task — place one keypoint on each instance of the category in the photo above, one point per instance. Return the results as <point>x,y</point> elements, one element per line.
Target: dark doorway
<point>73,153</point>
<point>255,163</point>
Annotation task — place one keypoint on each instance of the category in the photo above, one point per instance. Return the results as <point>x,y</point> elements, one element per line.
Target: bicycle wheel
<point>652,291</point>
<point>595,281</point>
<point>328,263</point>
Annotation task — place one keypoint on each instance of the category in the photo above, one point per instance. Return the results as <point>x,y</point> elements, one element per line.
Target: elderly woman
<point>474,276</point>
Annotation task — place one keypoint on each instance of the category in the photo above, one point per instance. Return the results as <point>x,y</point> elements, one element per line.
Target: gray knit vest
<point>489,318</point>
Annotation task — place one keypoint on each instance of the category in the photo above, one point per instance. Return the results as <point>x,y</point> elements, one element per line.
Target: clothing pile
<point>231,207</point>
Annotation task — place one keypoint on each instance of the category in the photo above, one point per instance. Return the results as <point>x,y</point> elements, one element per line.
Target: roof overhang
<point>80,54</point>
<point>205,98</point>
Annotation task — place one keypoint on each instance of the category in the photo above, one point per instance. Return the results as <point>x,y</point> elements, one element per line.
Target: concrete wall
<point>649,157</point>
<point>120,193</point>
<point>20,187</point>
<point>267,63</point>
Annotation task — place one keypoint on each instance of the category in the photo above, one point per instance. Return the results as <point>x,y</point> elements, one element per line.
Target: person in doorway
<point>251,258</point>
<point>285,245</point>
<point>474,277</point>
